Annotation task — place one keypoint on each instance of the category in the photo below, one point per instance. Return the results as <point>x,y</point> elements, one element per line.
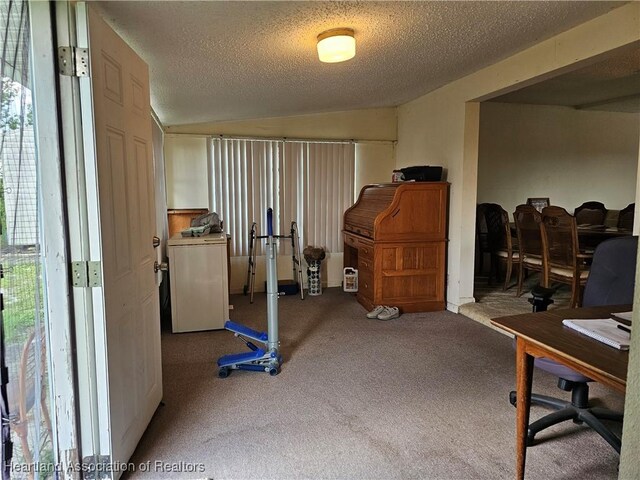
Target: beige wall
<point>186,158</point>
<point>629,465</point>
<point>374,163</point>
<point>442,127</point>
<point>367,124</point>
<point>568,155</point>
<point>186,171</point>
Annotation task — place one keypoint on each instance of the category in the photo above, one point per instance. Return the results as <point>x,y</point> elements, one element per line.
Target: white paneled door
<point>127,325</point>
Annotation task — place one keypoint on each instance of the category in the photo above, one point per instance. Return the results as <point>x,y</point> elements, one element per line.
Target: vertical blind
<point>324,175</point>
<point>311,183</point>
<point>245,184</point>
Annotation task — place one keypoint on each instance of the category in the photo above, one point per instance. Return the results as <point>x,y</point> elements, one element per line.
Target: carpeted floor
<point>423,396</point>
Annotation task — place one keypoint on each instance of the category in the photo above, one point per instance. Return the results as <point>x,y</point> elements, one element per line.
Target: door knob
<point>156,241</point>
<point>160,266</point>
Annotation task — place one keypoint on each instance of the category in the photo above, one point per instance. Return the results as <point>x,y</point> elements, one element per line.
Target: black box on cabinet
<point>424,173</point>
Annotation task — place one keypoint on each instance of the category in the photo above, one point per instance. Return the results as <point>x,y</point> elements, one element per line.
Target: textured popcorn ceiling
<point>223,61</point>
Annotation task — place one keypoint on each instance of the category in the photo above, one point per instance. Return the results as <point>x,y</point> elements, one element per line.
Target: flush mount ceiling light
<point>336,45</point>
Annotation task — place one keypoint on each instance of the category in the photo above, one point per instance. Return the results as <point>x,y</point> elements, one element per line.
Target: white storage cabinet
<point>199,282</point>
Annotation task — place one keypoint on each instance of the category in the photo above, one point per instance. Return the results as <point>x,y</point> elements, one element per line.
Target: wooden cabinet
<point>396,236</point>
<point>181,219</point>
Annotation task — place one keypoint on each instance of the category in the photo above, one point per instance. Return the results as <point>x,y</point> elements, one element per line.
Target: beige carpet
<point>423,396</point>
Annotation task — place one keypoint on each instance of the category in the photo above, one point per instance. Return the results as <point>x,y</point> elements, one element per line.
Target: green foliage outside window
<point>9,119</point>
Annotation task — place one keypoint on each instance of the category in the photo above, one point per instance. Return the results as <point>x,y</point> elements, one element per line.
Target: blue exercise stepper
<point>258,359</point>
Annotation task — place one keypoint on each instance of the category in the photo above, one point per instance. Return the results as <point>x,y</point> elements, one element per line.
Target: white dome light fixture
<point>336,45</point>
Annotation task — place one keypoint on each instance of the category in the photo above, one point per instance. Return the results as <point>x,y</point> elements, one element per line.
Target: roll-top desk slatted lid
<point>373,199</point>
<point>399,211</point>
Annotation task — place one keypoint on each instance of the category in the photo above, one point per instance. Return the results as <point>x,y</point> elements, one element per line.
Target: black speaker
<point>422,173</point>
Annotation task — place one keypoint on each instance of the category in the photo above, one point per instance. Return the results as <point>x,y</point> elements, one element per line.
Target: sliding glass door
<point>38,434</point>
<point>27,407</point>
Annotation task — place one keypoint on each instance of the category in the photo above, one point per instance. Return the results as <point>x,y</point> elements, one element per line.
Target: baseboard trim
<point>455,307</point>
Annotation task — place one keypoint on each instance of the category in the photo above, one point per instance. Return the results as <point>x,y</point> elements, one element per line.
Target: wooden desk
<point>395,235</point>
<point>543,335</point>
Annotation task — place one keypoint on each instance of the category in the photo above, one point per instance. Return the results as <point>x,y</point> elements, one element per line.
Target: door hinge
<point>73,61</point>
<point>86,274</point>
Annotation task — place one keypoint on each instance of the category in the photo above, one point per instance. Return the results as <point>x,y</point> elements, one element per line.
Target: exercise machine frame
<point>260,359</point>
<point>295,258</point>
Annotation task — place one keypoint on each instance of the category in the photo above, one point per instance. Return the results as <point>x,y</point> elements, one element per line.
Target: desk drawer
<point>365,283</point>
<point>365,266</point>
<point>357,241</point>
<point>365,250</point>
<point>364,246</point>
<point>351,240</point>
<point>358,229</point>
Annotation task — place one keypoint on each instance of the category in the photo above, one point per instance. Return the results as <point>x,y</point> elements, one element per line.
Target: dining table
<point>590,236</point>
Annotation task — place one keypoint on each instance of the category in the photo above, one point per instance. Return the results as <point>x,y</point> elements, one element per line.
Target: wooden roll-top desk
<point>396,236</point>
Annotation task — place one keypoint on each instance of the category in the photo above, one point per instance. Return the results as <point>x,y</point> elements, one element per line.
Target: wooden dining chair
<point>592,213</point>
<point>562,258</point>
<point>625,218</point>
<point>29,394</point>
<point>482,241</point>
<point>527,220</point>
<point>501,245</point>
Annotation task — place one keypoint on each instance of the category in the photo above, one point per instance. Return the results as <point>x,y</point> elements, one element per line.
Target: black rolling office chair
<point>611,282</point>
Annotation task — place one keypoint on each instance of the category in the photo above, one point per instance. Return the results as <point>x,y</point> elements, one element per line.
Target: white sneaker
<point>388,313</point>
<point>376,311</point>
